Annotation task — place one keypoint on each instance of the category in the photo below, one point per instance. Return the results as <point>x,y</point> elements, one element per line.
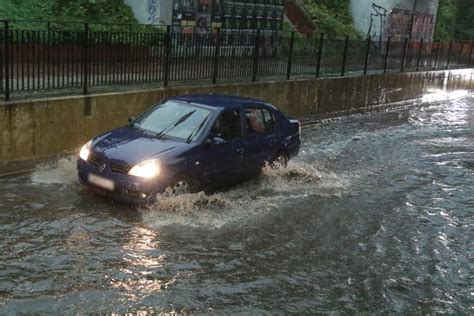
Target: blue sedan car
<point>185,144</point>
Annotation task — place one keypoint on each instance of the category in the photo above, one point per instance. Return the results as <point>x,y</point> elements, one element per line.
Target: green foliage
<point>104,15</point>
<point>446,20</point>
<point>332,17</point>
<point>455,20</point>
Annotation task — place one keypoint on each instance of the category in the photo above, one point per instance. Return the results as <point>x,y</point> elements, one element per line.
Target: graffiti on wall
<point>377,20</point>
<point>399,23</point>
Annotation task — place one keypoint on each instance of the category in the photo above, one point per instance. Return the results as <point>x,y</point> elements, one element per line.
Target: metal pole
<point>449,54</point>
<point>320,54</point>
<point>290,56</point>
<point>7,60</point>
<point>437,55</point>
<point>404,56</point>
<point>387,50</point>
<point>460,55</point>
<point>256,54</point>
<point>367,52</point>
<point>167,55</point>
<point>419,55</point>
<point>413,20</point>
<point>86,58</point>
<point>216,56</point>
<point>344,58</point>
<point>470,55</point>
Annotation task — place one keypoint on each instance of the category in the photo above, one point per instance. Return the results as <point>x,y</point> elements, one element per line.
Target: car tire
<point>181,185</point>
<point>280,161</point>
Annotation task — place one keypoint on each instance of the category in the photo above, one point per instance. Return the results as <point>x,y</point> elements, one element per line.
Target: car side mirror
<point>215,141</point>
<point>131,119</point>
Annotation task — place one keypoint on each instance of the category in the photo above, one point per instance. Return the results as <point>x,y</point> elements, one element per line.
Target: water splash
<point>61,171</point>
<point>249,200</point>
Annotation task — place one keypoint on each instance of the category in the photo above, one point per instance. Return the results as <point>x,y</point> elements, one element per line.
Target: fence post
<point>387,50</point>
<point>344,58</point>
<point>449,54</point>
<point>85,59</point>
<point>404,54</point>
<point>320,54</point>
<point>167,55</point>
<point>460,55</point>
<point>6,39</point>
<point>437,55</point>
<point>290,56</point>
<point>367,52</point>
<point>216,56</point>
<point>470,55</point>
<point>256,54</point>
<point>419,55</point>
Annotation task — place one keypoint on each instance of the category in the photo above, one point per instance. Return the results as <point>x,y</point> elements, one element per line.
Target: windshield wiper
<point>196,130</point>
<point>174,124</point>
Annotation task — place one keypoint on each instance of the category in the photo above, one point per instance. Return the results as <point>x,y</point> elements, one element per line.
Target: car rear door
<point>260,137</point>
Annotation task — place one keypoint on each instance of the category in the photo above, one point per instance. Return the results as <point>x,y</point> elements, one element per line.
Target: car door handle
<point>240,150</point>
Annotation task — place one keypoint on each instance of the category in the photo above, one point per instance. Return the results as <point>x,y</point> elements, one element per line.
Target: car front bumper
<point>127,189</point>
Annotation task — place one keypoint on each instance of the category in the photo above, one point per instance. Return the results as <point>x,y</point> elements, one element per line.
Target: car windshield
<point>175,119</point>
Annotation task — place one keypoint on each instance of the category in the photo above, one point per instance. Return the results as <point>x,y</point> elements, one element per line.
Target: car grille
<point>115,167</point>
<point>93,160</point>
<point>120,168</point>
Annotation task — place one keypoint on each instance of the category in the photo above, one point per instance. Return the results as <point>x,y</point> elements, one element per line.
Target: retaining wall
<point>35,129</point>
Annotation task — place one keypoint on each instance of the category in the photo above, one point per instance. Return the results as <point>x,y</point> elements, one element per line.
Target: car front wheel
<point>180,185</point>
<point>281,161</point>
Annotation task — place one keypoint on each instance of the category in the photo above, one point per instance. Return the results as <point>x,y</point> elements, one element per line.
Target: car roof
<point>219,100</point>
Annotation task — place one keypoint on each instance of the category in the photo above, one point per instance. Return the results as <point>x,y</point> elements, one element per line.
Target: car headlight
<point>146,169</point>
<point>85,150</point>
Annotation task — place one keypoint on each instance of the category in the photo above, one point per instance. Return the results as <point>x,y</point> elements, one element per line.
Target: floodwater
<point>375,215</point>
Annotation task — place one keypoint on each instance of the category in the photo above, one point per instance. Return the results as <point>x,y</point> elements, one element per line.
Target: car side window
<point>260,120</point>
<point>255,120</point>
<point>270,122</point>
<point>227,126</point>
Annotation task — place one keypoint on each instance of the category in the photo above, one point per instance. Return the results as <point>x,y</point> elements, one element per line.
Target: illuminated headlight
<point>146,169</point>
<point>85,150</point>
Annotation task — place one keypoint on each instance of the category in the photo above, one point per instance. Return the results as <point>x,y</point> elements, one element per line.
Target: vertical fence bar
<point>216,56</point>
<point>48,58</point>
<point>449,54</point>
<point>419,55</point>
<point>460,55</point>
<point>290,56</point>
<point>2,60</point>
<point>167,42</point>
<point>85,70</point>
<point>320,55</point>
<point>256,54</point>
<point>367,52</point>
<point>344,58</point>
<point>469,64</point>
<point>404,54</point>
<point>7,59</point>
<point>387,51</point>
<point>437,55</point>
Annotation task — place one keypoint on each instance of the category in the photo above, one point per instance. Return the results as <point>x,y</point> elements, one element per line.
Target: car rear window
<point>259,120</point>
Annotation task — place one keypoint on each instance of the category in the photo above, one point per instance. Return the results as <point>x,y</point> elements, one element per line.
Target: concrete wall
<point>394,18</point>
<point>31,130</point>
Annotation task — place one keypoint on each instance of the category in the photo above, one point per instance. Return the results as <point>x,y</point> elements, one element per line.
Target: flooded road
<point>375,215</point>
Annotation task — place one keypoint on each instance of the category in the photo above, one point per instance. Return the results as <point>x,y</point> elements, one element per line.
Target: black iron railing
<point>47,59</point>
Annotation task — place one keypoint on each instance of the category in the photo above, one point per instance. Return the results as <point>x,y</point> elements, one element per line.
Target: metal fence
<point>35,60</point>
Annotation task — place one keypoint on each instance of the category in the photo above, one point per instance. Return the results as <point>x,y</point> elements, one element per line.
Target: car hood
<point>131,145</point>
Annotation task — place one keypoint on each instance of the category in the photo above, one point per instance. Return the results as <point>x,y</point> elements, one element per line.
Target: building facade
<point>206,16</point>
<point>397,19</point>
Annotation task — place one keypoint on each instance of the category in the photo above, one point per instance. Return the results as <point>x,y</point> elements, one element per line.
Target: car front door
<point>223,152</point>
